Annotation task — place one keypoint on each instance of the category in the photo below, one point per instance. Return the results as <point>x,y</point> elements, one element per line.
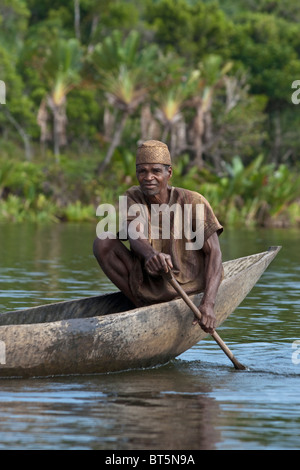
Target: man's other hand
<point>208,318</point>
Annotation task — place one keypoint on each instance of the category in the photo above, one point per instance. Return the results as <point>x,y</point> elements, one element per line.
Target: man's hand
<point>208,318</point>
<point>158,263</point>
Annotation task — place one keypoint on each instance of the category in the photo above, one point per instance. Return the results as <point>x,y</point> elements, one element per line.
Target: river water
<point>196,402</point>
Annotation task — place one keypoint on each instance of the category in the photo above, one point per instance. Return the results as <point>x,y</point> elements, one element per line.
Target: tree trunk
<point>150,128</point>
<point>114,143</point>
<point>42,120</point>
<point>77,18</point>
<point>166,131</point>
<point>95,22</point>
<point>198,131</point>
<point>24,136</point>
<point>56,143</point>
<point>277,141</point>
<point>59,124</point>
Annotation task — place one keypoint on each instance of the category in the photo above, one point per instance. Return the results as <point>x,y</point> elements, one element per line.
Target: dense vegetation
<point>86,80</point>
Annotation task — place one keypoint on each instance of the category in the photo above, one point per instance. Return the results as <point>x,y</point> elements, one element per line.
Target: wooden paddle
<point>170,278</point>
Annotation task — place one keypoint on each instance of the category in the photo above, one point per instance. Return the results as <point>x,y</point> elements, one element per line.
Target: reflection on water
<point>197,401</point>
<point>47,264</point>
<point>166,408</point>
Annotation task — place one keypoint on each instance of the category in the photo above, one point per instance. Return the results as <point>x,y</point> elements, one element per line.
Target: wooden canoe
<point>106,333</point>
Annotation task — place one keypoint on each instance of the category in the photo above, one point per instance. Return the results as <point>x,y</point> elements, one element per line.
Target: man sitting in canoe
<point>137,271</point>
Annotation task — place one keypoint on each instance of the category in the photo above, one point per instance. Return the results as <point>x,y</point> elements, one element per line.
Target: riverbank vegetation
<point>87,80</point>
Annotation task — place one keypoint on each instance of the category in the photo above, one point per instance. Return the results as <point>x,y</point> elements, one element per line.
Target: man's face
<point>153,178</point>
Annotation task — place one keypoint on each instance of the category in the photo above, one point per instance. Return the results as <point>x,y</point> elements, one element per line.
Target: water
<point>195,402</point>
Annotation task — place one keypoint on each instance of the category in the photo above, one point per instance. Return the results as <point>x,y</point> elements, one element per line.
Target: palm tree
<point>124,92</point>
<point>212,77</point>
<point>171,99</point>
<point>62,67</point>
<point>124,73</point>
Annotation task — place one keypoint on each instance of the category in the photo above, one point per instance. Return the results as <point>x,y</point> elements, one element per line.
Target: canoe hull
<point>138,338</point>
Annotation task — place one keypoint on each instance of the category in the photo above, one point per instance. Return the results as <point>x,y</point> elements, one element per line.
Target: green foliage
<point>78,212</point>
<point>192,29</point>
<point>22,178</point>
<point>14,15</point>
<point>17,101</point>
<point>15,209</point>
<point>84,115</point>
<point>215,77</point>
<point>269,49</point>
<point>112,52</point>
<point>287,9</point>
<point>63,62</point>
<point>252,194</point>
<point>115,57</point>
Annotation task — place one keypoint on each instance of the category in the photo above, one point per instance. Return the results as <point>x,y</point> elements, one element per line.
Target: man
<point>137,271</point>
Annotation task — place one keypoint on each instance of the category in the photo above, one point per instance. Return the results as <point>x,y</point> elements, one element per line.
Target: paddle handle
<point>169,276</point>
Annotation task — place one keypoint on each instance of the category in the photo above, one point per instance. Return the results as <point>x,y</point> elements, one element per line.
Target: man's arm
<point>213,277</point>
<point>155,262</point>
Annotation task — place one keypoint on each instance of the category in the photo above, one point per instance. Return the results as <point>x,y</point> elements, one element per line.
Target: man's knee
<point>102,245</point>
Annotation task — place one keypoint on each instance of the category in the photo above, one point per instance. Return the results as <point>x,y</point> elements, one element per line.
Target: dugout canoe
<point>106,333</point>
